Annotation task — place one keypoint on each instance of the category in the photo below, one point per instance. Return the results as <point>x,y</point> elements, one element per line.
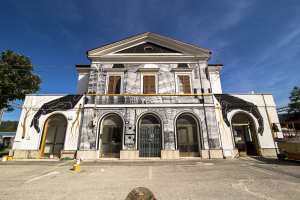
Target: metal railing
<point>149,98</point>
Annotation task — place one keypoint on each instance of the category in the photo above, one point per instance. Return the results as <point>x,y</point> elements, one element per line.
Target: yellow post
<point>9,158</point>
<point>4,158</point>
<point>76,166</point>
<point>43,140</point>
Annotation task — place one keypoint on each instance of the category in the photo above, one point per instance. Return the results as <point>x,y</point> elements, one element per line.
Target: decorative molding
<point>114,69</point>
<point>181,69</point>
<point>148,70</point>
<point>148,59</point>
<point>163,41</point>
<point>214,68</point>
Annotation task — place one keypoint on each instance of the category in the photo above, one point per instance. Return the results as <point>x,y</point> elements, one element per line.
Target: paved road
<point>188,179</point>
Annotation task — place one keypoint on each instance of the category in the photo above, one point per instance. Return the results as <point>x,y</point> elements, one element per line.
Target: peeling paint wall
<point>27,138</point>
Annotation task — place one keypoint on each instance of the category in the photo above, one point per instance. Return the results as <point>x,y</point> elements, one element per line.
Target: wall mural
<point>229,103</point>
<point>61,104</point>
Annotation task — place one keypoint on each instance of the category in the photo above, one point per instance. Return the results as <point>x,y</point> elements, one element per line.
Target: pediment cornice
<point>184,49</point>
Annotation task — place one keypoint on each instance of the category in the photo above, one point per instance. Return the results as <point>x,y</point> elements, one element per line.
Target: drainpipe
<point>205,120</point>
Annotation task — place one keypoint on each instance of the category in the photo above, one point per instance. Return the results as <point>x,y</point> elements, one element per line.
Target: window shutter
<point>149,85</point>
<point>114,85</point>
<point>184,84</point>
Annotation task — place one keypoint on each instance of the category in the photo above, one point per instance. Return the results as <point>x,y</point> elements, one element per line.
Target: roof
<point>83,66</point>
<point>215,65</point>
<point>178,48</point>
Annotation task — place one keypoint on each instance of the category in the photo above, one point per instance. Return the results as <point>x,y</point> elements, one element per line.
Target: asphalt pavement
<point>246,178</point>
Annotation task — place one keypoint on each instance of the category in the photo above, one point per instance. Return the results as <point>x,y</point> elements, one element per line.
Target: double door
<point>150,141</point>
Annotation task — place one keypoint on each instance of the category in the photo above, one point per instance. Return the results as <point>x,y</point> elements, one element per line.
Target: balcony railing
<point>149,99</point>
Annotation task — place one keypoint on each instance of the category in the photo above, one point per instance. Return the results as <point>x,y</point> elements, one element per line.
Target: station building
<point>148,96</point>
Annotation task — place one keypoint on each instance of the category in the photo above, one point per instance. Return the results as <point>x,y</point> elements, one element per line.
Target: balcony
<point>109,99</point>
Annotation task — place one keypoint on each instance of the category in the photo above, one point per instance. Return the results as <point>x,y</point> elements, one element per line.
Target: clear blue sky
<point>257,41</point>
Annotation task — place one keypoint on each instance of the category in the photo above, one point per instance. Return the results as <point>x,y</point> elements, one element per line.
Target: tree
<point>294,105</point>
<point>16,78</point>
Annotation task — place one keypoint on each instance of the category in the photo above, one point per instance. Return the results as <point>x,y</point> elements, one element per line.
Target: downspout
<point>205,120</point>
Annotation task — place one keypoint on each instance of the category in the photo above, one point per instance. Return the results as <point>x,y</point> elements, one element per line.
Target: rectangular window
<point>114,85</point>
<point>149,86</point>
<point>184,85</point>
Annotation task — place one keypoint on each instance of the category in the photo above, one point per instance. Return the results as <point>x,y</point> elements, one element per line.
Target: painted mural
<point>61,104</point>
<point>229,103</point>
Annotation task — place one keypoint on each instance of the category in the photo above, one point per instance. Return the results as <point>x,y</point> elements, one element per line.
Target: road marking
<point>42,176</point>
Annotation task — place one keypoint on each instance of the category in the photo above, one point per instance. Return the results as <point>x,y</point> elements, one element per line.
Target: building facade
<point>148,96</point>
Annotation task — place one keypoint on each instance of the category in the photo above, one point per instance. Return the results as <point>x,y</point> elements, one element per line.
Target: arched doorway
<point>244,134</point>
<point>187,131</point>
<point>53,137</point>
<point>111,136</point>
<point>150,136</point>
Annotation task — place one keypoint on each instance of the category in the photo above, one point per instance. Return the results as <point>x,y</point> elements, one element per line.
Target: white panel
<point>82,83</point>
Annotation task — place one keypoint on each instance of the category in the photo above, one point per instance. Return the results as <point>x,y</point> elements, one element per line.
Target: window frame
<point>109,74</point>
<point>190,75</point>
<point>149,74</point>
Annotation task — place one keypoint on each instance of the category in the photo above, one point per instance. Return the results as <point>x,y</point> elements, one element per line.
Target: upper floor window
<point>184,84</point>
<point>114,85</point>
<point>149,84</point>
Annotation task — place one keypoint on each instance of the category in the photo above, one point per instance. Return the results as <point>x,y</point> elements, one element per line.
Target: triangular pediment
<point>147,45</point>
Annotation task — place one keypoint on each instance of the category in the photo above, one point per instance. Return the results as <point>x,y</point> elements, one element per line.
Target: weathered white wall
<point>82,83</point>
<point>32,138</point>
<point>215,79</point>
<point>267,109</point>
<point>165,77</point>
<point>215,82</point>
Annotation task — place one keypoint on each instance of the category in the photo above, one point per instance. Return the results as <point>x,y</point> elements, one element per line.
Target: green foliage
<point>294,105</point>
<point>8,126</point>
<point>16,78</point>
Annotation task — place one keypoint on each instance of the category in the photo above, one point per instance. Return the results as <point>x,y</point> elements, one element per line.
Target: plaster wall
<point>215,82</point>
<point>27,138</point>
<point>166,82</point>
<point>82,83</point>
<point>93,117</point>
<point>267,109</point>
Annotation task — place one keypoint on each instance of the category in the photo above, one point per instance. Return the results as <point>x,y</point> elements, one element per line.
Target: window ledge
<point>114,69</point>
<point>181,69</point>
<point>148,70</point>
